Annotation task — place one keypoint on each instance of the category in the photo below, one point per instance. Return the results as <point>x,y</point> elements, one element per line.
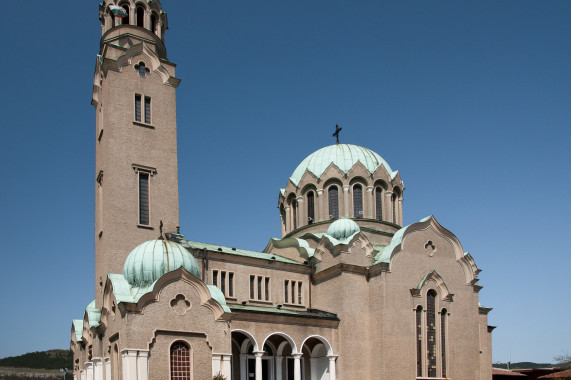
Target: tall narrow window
<point>443,317</point>
<point>230,284</point>
<point>252,291</point>
<point>294,209</point>
<point>394,202</point>
<point>259,288</point>
<point>144,198</point>
<point>299,293</point>
<point>180,361</point>
<point>125,20</point>
<point>267,288</point>
<point>379,203</point>
<point>333,202</point>
<point>153,23</point>
<point>223,282</point>
<point>215,278</point>
<point>419,341</point>
<point>140,16</point>
<point>147,110</point>
<point>310,207</point>
<point>286,293</point>
<point>357,201</point>
<point>431,332</point>
<point>137,107</point>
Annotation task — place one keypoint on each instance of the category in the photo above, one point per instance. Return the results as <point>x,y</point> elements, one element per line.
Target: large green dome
<point>150,260</point>
<point>344,156</point>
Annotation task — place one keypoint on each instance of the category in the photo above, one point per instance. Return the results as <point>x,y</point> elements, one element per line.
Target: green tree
<point>563,360</point>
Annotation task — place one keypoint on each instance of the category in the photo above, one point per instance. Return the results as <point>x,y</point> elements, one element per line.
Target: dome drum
<point>342,181</point>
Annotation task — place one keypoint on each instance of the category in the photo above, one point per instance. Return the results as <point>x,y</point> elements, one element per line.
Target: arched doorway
<point>320,363</point>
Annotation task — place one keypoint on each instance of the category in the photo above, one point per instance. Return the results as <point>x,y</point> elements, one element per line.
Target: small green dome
<point>344,156</point>
<point>150,260</point>
<point>343,228</point>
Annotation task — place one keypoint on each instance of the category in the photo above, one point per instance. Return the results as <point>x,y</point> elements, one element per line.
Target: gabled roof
<point>558,375</point>
<point>231,251</point>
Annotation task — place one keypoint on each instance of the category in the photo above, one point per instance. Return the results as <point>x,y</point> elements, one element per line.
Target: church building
<point>347,292</point>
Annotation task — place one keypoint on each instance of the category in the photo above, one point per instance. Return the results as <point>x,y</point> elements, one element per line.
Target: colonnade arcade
<point>278,357</point>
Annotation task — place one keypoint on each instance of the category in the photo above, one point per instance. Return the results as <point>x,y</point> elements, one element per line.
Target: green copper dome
<point>343,228</point>
<point>150,260</point>
<point>344,156</point>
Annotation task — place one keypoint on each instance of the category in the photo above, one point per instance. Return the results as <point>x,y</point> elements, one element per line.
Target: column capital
<point>297,355</point>
<point>332,358</point>
<point>370,189</point>
<point>259,354</point>
<point>320,192</point>
<point>96,360</point>
<point>346,188</point>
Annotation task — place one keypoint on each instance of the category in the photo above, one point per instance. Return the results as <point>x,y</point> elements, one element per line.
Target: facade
<point>347,292</point>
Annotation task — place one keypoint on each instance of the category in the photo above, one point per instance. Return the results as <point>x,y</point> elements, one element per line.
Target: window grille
<point>419,341</point>
<point>147,110</point>
<point>379,203</point>
<point>333,202</point>
<point>443,317</point>
<point>431,332</point>
<point>144,199</point>
<point>180,361</point>
<point>357,201</point>
<point>137,107</point>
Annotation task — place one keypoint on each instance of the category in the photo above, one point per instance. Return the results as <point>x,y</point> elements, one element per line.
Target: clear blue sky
<point>469,100</point>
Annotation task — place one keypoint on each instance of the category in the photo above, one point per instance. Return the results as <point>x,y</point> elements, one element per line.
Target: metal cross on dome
<point>142,69</point>
<point>337,130</point>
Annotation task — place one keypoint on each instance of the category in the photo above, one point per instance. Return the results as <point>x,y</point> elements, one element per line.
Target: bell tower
<point>134,95</point>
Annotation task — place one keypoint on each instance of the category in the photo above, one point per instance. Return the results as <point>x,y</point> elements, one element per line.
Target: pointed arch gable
<point>399,242</point>
<point>432,276</point>
<point>211,301</point>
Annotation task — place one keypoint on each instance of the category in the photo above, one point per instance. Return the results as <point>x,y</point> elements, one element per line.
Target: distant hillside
<point>524,365</point>
<point>52,359</point>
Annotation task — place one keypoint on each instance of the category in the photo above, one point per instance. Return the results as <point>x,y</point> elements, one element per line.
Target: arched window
<point>333,202</point>
<point>294,212</point>
<point>419,341</point>
<point>394,202</point>
<point>153,23</point>
<point>431,332</point>
<point>310,207</point>
<point>379,203</point>
<point>357,201</point>
<point>140,16</point>
<point>443,316</point>
<point>125,20</point>
<point>181,365</point>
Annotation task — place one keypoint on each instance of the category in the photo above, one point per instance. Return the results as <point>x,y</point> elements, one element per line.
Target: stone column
<point>313,368</point>
<point>258,355</point>
<point>345,202</point>
<point>296,366</point>
<point>388,207</point>
<point>89,371</point>
<point>97,368</point>
<point>133,15</point>
<point>226,366</point>
<point>320,212</point>
<point>399,208</point>
<point>301,213</point>
<point>288,223</point>
<point>107,365</point>
<point>370,210</point>
<point>279,361</point>
<point>147,21</point>
<point>243,367</point>
<point>143,365</point>
<point>82,375</point>
<point>129,364</point>
<point>216,358</point>
<point>332,372</point>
